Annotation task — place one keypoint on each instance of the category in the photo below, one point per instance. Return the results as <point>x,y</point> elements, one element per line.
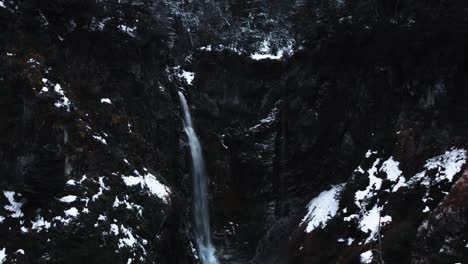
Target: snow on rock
<point>269,119</point>
<point>156,187</point>
<point>322,208</point>
<point>71,182</point>
<point>127,29</point>
<point>366,257</point>
<point>14,207</point>
<point>106,101</point>
<point>99,25</point>
<point>2,252</point>
<point>63,101</point>
<point>68,199</point>
<point>370,153</point>
<point>40,224</point>
<point>72,212</point>
<point>372,221</point>
<point>128,205</point>
<point>128,239</point>
<point>448,164</point>
<point>375,183</point>
<point>391,167</point>
<point>114,229</point>
<point>149,182</point>
<point>102,187</point>
<point>265,52</point>
<point>221,47</point>
<point>206,48</point>
<point>181,74</point>
<point>187,76</point>
<point>101,139</point>
<point>392,171</point>
<point>102,217</point>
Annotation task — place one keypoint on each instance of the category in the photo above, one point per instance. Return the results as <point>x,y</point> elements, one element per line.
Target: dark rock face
<point>442,234</point>
<point>343,144</point>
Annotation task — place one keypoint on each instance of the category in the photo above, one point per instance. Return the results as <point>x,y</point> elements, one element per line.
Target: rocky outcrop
<point>442,235</point>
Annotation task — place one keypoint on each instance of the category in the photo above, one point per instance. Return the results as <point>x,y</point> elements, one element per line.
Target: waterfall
<point>200,192</point>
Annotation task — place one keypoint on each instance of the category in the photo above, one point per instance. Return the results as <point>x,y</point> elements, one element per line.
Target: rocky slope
<point>333,132</point>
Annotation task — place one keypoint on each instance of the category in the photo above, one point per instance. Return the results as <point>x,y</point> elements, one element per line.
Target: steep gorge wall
<point>276,133</point>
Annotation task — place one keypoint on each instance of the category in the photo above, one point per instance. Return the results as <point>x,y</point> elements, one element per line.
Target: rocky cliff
<point>333,132</point>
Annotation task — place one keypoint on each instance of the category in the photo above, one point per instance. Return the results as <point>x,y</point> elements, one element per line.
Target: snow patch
<point>2,252</point>
<point>150,182</point>
<point>101,139</point>
<point>129,240</point>
<point>370,152</point>
<point>391,168</point>
<point>72,212</point>
<point>366,257</point>
<point>63,101</point>
<point>40,224</point>
<point>106,101</point>
<point>114,229</point>
<point>265,52</point>
<point>375,183</point>
<point>68,199</point>
<point>322,208</point>
<point>127,29</point>
<point>14,206</point>
<point>372,221</point>
<point>269,119</point>
<point>448,164</point>
<point>71,182</point>
<point>102,187</point>
<point>128,205</point>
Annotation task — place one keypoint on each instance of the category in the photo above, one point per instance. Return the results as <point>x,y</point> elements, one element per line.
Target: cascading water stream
<point>200,192</point>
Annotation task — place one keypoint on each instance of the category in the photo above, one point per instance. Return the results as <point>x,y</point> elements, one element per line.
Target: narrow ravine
<point>205,246</point>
